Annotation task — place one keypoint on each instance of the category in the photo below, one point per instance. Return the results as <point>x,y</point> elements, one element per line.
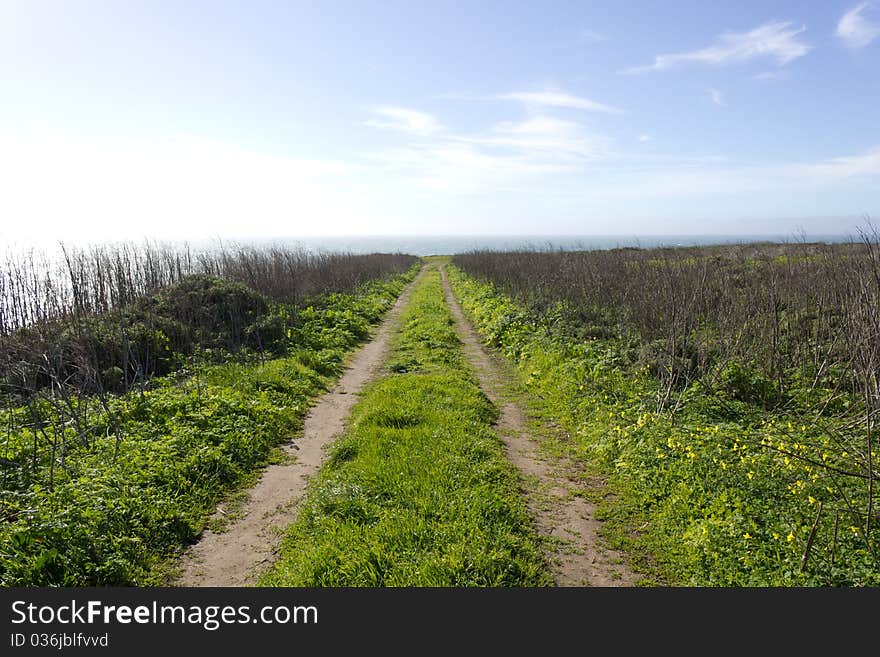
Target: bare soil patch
<point>563,516</point>
<point>240,554</point>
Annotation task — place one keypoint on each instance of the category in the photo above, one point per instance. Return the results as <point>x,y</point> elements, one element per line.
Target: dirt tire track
<point>240,554</point>
<point>576,555</point>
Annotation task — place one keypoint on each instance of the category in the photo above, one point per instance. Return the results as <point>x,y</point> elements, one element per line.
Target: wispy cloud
<point>547,159</point>
<point>591,36</point>
<point>765,76</point>
<point>542,135</point>
<point>716,96</point>
<point>670,179</point>
<point>402,119</point>
<point>778,40</point>
<point>841,168</point>
<point>684,179</point>
<point>509,155</point>
<point>856,30</point>
<point>550,98</point>
<point>465,168</point>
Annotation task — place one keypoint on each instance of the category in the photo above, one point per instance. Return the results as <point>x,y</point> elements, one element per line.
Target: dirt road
<point>239,555</point>
<point>566,521</point>
<point>564,518</point>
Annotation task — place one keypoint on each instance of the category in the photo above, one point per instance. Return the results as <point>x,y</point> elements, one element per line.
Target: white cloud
<point>536,170</point>
<point>856,30</point>
<point>509,156</point>
<point>551,98</point>
<point>670,180</point>
<point>466,168</point>
<point>472,170</point>
<point>765,76</point>
<point>60,188</point>
<point>404,120</point>
<point>543,135</point>
<point>716,96</point>
<point>546,156</point>
<point>723,186</point>
<point>841,168</point>
<point>777,40</point>
<point>591,36</point>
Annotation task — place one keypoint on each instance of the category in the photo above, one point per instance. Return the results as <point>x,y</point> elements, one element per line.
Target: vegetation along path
<point>564,517</point>
<point>238,555</point>
<point>418,491</point>
<point>424,488</point>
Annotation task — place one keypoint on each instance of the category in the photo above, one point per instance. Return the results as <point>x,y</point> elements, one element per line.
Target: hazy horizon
<point>422,245</point>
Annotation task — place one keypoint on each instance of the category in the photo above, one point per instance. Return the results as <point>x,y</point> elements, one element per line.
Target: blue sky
<point>123,120</point>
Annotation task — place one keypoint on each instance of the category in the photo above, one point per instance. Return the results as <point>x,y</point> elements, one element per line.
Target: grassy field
<point>109,498</point>
<point>418,492</point>
<point>730,481</point>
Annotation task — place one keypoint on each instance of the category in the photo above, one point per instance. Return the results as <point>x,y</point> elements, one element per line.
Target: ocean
<point>421,245</point>
<point>451,244</point>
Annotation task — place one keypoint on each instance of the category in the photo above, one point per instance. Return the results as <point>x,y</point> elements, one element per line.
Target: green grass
<point>704,497</point>
<point>117,518</point>
<point>418,492</point>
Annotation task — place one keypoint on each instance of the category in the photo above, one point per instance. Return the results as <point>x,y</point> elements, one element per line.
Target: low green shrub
<point>140,481</point>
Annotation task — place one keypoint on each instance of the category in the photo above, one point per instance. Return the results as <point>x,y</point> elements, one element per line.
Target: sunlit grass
<point>418,492</point>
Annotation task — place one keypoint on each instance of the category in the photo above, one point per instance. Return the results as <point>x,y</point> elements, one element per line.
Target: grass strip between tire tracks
<point>418,492</point>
